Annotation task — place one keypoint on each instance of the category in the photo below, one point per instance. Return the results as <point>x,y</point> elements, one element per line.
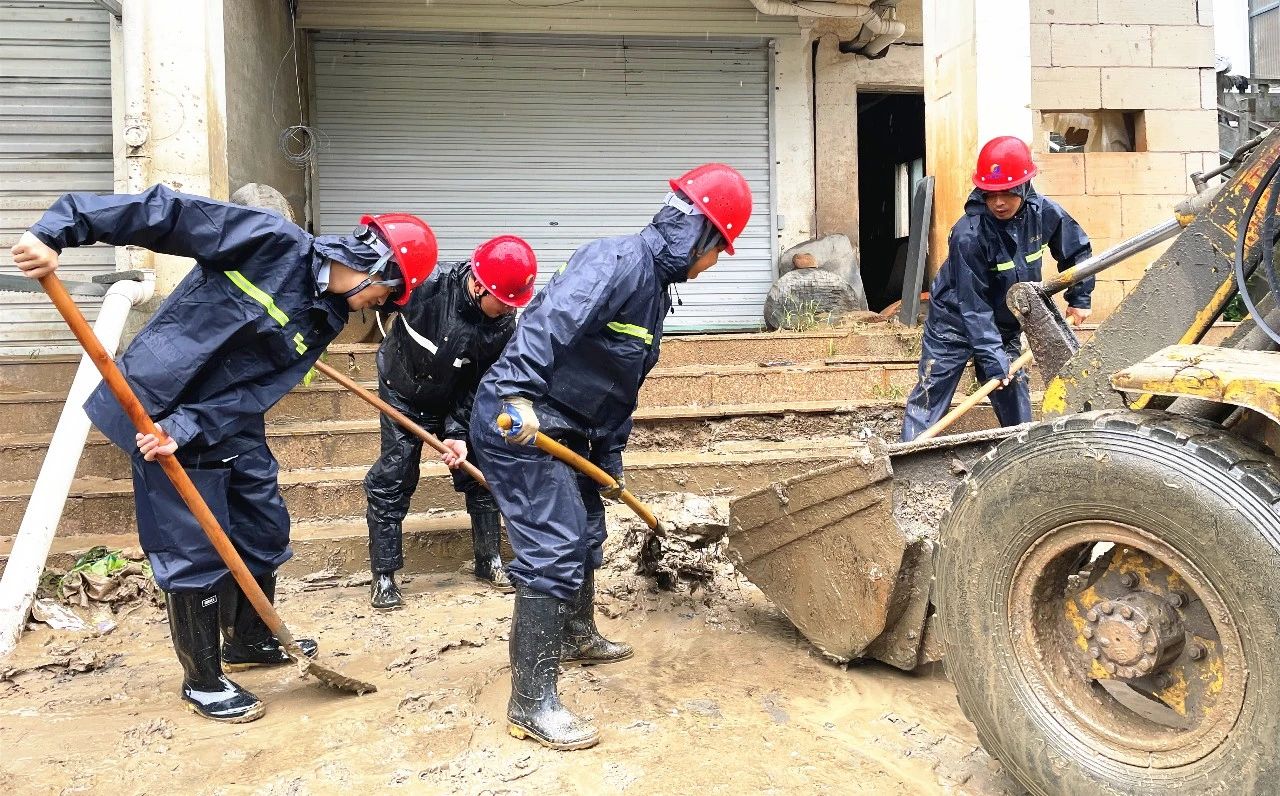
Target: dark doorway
<point>890,161</point>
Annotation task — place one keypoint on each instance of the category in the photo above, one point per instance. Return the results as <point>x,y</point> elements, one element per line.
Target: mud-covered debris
<point>56,616</point>
<point>67,659</point>
<point>102,575</point>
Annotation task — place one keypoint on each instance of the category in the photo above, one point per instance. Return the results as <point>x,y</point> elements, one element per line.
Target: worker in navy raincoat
<point>242,328</point>
<point>1003,238</point>
<point>441,343</point>
<point>573,372</point>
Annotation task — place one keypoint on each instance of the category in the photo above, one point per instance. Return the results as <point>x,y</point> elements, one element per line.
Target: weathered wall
<point>793,139</point>
<point>262,97</point>
<point>173,110</point>
<point>1156,58</point>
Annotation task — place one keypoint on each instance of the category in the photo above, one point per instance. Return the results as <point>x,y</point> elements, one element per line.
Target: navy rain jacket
<point>236,334</point>
<point>986,256</point>
<point>440,345</point>
<point>583,348</point>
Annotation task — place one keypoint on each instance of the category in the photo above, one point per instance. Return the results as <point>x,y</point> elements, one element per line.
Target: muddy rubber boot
<point>384,594</point>
<point>583,644</point>
<point>535,710</point>
<point>193,625</point>
<point>486,543</point>
<point>247,641</point>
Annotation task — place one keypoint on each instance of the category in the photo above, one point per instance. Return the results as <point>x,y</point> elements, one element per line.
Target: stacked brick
<point>1155,58</point>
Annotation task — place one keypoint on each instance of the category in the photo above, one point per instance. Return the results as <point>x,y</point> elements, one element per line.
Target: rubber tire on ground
<point>1206,493</point>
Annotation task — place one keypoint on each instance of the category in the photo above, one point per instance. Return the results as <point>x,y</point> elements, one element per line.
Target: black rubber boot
<point>535,710</point>
<point>247,642</point>
<point>193,625</point>
<point>583,644</point>
<point>384,594</point>
<point>486,543</point>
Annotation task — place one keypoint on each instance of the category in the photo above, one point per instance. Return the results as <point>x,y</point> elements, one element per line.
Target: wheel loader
<point>1102,586</point>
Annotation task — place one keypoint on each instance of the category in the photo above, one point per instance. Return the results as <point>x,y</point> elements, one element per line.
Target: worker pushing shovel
<point>572,372</point>
<point>442,342</point>
<point>236,334</point>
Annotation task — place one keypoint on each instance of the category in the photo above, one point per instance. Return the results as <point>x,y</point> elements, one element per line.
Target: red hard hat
<point>506,267</point>
<point>723,195</point>
<point>412,244</point>
<point>1004,163</point>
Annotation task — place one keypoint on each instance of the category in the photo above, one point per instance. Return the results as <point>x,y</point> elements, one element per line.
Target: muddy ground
<point>723,696</point>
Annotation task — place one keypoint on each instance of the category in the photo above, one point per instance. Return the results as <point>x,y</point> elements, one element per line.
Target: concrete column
<point>174,114</point>
<point>836,140</point>
<point>793,137</point>
<point>978,86</point>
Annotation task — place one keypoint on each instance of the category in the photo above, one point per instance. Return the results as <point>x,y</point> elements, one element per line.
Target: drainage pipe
<point>878,32</point>
<point>44,511</point>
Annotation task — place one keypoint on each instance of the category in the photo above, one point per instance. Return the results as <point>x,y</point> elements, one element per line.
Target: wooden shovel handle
<point>972,400</point>
<point>390,411</point>
<point>181,481</point>
<point>549,446</point>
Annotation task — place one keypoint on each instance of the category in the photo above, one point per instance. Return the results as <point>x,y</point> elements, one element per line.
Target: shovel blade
<point>330,677</point>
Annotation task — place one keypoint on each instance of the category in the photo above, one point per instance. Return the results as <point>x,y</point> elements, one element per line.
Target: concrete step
<point>432,543</point>
<point>353,443</point>
<point>53,373</point>
<point>98,505</point>
<point>692,385</point>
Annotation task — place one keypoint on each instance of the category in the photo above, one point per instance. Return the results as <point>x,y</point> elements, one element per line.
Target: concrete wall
<point>261,97</point>
<point>1073,55</point>
<point>1130,55</point>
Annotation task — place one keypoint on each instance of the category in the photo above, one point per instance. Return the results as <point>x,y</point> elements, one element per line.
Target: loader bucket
<point>846,551</point>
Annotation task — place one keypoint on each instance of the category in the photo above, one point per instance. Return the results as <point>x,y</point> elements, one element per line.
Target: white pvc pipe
<point>48,498</point>
<point>816,8</point>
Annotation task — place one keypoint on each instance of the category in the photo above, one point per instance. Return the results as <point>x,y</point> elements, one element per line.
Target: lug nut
<point>1088,632</point>
<point>1092,616</point>
<point>1110,667</point>
<point>1143,626</point>
<point>1177,599</point>
<point>1126,612</point>
<point>1197,651</point>
<point>1150,648</point>
<point>1095,652</point>
<point>1128,580</point>
<point>1104,642</point>
<point>1106,607</point>
<point>1145,664</point>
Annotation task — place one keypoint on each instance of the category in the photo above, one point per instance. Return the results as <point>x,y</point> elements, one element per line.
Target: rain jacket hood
<point>672,236</point>
<point>347,250</point>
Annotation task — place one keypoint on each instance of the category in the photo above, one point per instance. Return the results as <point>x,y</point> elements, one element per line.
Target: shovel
<point>182,483</point>
<point>972,401</point>
<point>398,416</point>
<point>651,549</point>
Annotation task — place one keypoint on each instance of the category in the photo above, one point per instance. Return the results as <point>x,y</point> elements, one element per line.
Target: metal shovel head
<point>324,674</point>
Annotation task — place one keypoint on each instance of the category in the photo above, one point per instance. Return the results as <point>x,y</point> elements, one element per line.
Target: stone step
<point>353,443</point>
<point>432,543</point>
<point>98,505</point>
<point>53,373</point>
<point>686,386</point>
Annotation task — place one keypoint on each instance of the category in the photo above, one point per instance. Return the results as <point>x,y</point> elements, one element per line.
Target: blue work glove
<point>524,421</point>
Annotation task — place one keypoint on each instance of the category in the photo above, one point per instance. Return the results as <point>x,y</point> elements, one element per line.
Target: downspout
<point>880,26</point>
<point>44,510</point>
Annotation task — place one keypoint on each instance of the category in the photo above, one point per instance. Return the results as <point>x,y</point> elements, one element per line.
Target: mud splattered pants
<point>942,361</point>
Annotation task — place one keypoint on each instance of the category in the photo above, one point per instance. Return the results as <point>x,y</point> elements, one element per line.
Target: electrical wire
<point>1268,242</point>
<point>299,142</point>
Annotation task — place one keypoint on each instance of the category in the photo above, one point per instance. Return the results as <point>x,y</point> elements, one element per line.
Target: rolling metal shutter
<point>558,140</point>
<point>55,137</point>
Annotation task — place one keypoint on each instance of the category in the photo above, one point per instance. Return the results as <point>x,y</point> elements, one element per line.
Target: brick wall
<point>1128,55</point>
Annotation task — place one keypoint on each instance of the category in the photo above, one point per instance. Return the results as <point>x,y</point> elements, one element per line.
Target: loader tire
<point>1201,500</point>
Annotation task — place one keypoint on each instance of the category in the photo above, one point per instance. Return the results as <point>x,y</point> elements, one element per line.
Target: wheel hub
<point>1135,635</point>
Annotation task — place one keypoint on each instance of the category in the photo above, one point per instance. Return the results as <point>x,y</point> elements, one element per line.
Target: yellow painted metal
<point>1226,375</point>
